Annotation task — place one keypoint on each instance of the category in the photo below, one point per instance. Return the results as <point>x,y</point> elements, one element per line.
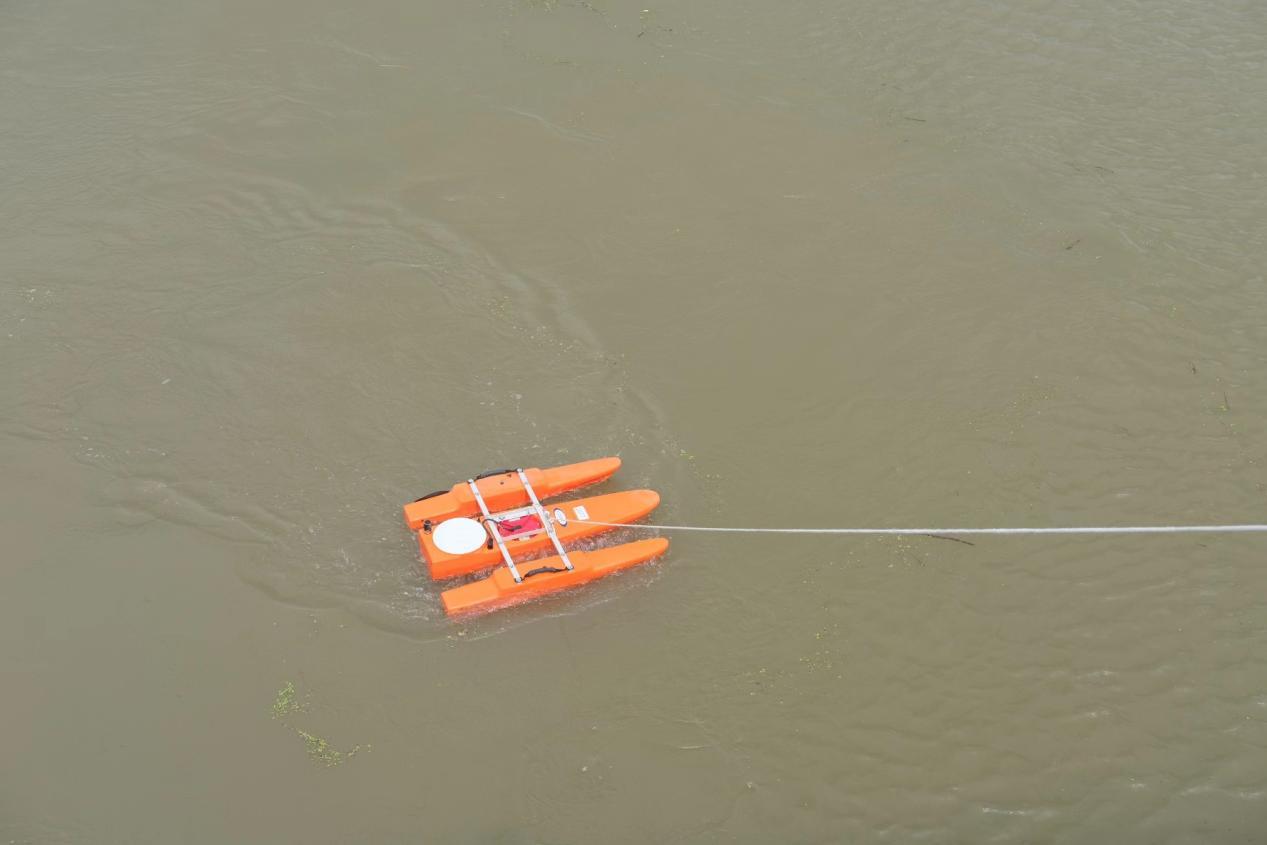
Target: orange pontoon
<point>502,489</point>
<point>548,575</point>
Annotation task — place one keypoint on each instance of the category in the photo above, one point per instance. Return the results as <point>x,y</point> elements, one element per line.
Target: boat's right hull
<point>548,575</point>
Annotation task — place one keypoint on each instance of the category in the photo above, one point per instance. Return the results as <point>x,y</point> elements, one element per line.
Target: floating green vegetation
<point>287,704</point>
<point>319,749</point>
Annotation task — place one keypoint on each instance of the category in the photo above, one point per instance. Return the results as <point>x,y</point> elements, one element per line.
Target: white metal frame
<point>492,529</point>
<point>547,523</point>
<point>545,520</point>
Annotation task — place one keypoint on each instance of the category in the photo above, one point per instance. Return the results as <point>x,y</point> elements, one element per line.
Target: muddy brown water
<point>268,271</point>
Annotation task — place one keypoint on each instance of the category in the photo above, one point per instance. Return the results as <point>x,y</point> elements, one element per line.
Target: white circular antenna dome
<point>459,536</point>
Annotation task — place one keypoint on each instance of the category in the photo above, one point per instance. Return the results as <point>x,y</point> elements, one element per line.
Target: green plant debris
<point>285,703</point>
<point>319,749</point>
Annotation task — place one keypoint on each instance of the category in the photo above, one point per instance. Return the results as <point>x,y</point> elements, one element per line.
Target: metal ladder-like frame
<point>492,530</point>
<point>546,522</point>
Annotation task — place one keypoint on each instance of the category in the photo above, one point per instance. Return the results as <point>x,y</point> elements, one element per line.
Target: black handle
<point>540,570</point>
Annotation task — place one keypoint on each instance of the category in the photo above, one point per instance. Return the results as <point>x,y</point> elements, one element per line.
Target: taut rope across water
<point>1089,529</point>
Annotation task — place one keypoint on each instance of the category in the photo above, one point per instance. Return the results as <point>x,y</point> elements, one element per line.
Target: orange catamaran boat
<point>498,518</point>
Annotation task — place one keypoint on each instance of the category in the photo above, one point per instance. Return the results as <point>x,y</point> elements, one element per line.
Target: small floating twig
<point>952,539</point>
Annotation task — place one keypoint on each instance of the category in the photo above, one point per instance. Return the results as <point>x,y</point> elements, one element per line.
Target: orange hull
<point>548,575</point>
<point>504,491</point>
<point>623,507</point>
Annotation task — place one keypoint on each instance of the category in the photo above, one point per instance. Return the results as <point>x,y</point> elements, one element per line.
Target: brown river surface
<point>268,271</point>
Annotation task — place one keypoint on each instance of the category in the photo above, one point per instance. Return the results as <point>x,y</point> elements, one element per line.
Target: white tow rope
<point>1088,529</point>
